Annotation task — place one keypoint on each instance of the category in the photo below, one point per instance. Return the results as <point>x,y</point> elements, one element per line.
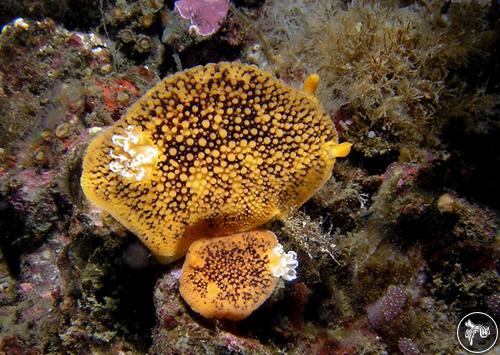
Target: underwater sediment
<point>393,250</point>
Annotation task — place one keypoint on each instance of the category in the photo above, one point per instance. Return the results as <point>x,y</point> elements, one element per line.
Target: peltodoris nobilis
<point>211,151</point>
<point>202,159</point>
<point>230,277</point>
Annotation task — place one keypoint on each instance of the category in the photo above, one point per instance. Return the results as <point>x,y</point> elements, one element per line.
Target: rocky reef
<point>393,250</point>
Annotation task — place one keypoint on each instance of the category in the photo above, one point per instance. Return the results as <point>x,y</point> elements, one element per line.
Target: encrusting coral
<point>210,151</point>
<point>231,277</point>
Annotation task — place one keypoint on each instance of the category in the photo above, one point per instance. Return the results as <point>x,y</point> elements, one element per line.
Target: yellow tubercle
<point>311,84</point>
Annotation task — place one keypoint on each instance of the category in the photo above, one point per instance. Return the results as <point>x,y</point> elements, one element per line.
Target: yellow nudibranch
<point>230,277</point>
<point>211,151</point>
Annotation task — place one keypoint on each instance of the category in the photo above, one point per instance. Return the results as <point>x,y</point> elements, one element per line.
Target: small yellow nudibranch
<point>134,156</point>
<point>230,277</point>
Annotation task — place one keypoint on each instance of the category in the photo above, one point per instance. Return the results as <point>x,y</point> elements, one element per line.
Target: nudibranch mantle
<point>211,151</point>
<point>230,277</point>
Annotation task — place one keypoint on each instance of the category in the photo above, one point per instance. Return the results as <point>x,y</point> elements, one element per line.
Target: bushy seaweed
<point>388,71</point>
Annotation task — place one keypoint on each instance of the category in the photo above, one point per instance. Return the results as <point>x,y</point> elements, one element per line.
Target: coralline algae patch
<point>205,16</point>
<point>209,152</point>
